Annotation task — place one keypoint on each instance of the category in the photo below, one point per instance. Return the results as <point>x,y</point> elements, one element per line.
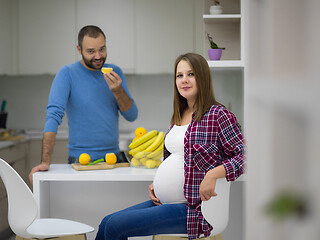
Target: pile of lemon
<point>146,148</point>
<point>85,159</point>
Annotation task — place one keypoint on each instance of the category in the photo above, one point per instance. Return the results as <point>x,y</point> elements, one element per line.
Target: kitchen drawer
<point>3,214</point>
<point>20,167</point>
<point>3,192</point>
<point>14,152</point>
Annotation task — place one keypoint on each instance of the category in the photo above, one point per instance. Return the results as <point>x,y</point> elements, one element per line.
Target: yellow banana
<point>143,161</point>
<point>142,147</point>
<point>143,139</point>
<point>158,162</point>
<point>156,143</point>
<point>158,157</point>
<point>140,155</point>
<point>156,152</point>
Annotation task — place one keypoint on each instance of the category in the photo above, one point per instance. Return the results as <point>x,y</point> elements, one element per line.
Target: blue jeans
<point>144,219</point>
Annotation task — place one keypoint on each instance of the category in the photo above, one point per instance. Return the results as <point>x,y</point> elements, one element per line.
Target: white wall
<point>27,98</point>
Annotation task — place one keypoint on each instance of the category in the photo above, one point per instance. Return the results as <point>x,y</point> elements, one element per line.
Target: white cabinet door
<point>164,30</point>
<point>7,31</point>
<point>116,19</point>
<point>47,37</point>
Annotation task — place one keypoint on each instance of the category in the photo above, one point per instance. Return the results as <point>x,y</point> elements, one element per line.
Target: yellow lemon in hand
<point>84,159</point>
<point>111,158</point>
<point>106,70</point>
<point>140,131</point>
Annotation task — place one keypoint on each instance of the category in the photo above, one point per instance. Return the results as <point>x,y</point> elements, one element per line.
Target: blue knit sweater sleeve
<point>58,97</point>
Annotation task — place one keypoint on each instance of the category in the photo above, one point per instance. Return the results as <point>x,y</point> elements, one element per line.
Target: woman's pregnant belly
<point>169,180</point>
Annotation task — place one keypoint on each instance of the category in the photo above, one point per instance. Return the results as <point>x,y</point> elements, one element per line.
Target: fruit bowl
<point>146,149</point>
<point>147,160</point>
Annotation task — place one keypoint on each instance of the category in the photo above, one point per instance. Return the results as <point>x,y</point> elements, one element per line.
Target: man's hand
<point>152,196</point>
<point>40,167</point>
<point>113,80</point>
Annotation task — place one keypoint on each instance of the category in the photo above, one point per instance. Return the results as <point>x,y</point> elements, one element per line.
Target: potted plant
<point>214,52</point>
<point>216,8</point>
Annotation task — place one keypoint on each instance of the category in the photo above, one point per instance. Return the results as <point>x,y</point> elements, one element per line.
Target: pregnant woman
<point>203,143</point>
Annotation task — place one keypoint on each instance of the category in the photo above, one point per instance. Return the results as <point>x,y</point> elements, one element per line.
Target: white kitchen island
<point>88,196</point>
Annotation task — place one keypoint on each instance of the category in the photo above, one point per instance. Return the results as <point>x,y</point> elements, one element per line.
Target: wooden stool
<point>70,237</point>
<point>160,237</point>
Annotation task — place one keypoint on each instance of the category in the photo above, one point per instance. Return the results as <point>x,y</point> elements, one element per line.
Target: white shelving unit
<point>227,30</point>
<point>223,17</point>
<point>226,63</point>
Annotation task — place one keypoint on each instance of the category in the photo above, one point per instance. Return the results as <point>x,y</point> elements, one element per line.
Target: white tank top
<point>169,179</point>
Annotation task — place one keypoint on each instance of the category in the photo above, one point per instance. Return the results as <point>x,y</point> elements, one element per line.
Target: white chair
<point>23,210</point>
<point>215,211</point>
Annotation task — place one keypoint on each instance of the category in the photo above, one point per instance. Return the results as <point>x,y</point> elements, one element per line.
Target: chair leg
<point>70,237</point>
<point>159,237</point>
<point>218,237</point>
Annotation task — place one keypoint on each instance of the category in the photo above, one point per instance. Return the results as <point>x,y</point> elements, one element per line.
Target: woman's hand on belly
<point>152,196</point>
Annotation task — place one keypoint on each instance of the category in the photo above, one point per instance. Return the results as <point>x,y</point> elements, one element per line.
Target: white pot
<point>215,9</point>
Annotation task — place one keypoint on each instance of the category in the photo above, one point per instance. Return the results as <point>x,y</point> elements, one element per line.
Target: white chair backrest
<point>216,209</point>
<point>22,207</point>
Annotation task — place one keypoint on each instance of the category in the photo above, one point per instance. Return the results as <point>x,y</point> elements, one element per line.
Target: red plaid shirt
<point>213,141</point>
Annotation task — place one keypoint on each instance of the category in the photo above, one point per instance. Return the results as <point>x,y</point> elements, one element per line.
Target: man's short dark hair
<point>91,31</point>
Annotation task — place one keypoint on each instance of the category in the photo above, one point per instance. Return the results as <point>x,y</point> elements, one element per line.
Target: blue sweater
<point>91,108</point>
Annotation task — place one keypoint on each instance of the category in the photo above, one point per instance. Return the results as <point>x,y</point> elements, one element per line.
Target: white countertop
<point>64,172</point>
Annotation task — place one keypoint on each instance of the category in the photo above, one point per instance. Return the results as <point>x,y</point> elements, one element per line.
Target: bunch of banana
<point>147,150</point>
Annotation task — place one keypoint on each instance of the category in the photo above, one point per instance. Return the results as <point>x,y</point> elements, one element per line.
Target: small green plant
<point>213,45</point>
<point>287,204</point>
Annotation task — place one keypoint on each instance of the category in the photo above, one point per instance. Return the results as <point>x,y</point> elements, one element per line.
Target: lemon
<point>106,70</point>
<point>135,162</point>
<point>111,158</point>
<point>84,158</point>
<point>150,163</point>
<point>140,131</point>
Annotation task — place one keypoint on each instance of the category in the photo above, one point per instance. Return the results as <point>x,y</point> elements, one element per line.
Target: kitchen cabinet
<point>15,155</point>
<point>143,36</point>
<point>46,35</point>
<point>227,30</point>
<point>164,30</point>
<point>117,20</point>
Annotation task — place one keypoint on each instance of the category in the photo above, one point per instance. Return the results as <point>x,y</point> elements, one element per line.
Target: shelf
<point>222,17</point>
<point>226,64</point>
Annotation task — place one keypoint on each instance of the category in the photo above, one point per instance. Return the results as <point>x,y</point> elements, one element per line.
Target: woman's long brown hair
<point>205,98</point>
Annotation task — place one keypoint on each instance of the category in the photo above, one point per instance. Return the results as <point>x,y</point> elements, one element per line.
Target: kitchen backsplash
<point>27,98</point>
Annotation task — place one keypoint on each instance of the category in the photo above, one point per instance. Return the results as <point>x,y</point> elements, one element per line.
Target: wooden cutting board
<point>98,166</point>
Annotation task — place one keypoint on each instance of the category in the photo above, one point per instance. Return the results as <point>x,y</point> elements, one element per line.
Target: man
<point>92,101</point>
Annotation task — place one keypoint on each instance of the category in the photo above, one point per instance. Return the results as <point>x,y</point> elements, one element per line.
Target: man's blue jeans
<point>144,219</point>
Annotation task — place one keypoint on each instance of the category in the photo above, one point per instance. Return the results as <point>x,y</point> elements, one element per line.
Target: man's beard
<point>90,63</point>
